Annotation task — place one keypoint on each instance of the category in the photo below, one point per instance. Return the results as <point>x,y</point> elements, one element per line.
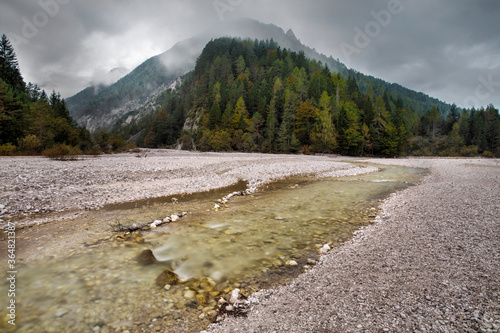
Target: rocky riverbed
<point>430,263</point>
<point>34,185</point>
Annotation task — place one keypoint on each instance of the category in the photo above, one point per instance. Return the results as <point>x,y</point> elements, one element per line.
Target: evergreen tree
<point>369,112</point>
<point>59,106</point>
<point>464,127</point>
<point>271,125</point>
<point>452,118</point>
<point>398,120</point>
<point>434,116</point>
<point>253,138</point>
<point>478,130</point>
<point>227,115</point>
<point>492,129</point>
<point>367,140</point>
<point>305,121</point>
<point>214,116</point>
<point>240,65</point>
<point>11,115</point>
<point>324,133</point>
<point>9,67</point>
<point>352,89</point>
<point>454,141</point>
<point>34,92</point>
<point>379,125</point>
<point>350,138</point>
<point>240,120</point>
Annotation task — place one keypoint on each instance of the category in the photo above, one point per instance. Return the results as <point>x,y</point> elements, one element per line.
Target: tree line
<point>253,96</point>
<point>34,123</point>
<point>250,96</point>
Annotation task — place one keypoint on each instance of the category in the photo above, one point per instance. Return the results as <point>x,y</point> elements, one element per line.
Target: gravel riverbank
<point>430,263</point>
<point>31,185</point>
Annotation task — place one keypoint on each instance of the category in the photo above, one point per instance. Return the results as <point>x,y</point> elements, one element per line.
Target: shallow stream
<point>246,245</point>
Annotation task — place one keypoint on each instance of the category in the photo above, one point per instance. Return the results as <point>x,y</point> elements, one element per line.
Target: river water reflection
<point>246,245</point>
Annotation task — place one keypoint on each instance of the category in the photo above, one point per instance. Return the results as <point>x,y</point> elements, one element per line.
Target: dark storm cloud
<point>448,49</point>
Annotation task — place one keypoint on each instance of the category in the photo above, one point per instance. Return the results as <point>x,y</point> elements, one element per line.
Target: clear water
<point>246,245</point>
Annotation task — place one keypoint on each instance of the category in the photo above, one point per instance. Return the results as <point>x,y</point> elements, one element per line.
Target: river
<point>251,244</point>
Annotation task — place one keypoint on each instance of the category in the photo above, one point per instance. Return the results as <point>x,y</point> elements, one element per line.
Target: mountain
<point>101,105</point>
<point>134,95</point>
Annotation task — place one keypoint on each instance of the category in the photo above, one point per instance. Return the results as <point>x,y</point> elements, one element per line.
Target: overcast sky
<point>449,49</point>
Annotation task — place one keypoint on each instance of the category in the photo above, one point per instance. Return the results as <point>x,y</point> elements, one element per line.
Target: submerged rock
<point>324,249</point>
<point>167,277</point>
<point>230,232</point>
<point>189,294</point>
<point>201,300</point>
<point>234,296</point>
<point>146,258</point>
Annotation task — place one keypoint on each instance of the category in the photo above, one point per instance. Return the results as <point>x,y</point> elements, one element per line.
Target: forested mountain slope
<point>134,96</point>
<point>255,96</point>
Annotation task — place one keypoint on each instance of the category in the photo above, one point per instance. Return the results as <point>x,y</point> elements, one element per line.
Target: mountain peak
<point>290,34</point>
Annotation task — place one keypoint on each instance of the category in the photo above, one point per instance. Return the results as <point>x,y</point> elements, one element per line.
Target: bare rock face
<point>146,258</point>
<point>167,277</point>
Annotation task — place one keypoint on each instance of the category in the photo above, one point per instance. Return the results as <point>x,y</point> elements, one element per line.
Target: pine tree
<point>352,89</point>
<point>9,67</point>
<point>397,118</point>
<point>227,115</point>
<point>379,125</point>
<point>214,117</point>
<point>59,106</point>
<point>454,140</point>
<point>11,115</point>
<point>305,121</point>
<point>452,118</point>
<point>284,134</point>
<point>240,65</point>
<point>324,133</point>
<point>492,129</point>
<point>240,120</point>
<point>271,125</point>
<point>434,116</point>
<point>478,130</point>
<point>464,127</point>
<point>350,138</point>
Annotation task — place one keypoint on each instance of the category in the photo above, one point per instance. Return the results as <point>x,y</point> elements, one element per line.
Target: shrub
<point>62,152</point>
<point>488,154</point>
<point>187,141</point>
<point>469,151</point>
<point>30,145</point>
<point>451,152</point>
<point>7,149</point>
<point>118,144</point>
<point>132,147</point>
<point>306,150</point>
<point>95,151</point>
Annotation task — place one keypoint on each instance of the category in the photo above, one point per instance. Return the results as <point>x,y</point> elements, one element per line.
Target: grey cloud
<point>438,47</point>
